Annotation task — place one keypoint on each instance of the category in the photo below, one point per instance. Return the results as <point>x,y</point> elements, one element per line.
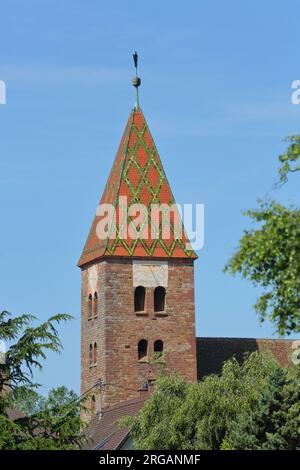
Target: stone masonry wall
<point>118,329</point>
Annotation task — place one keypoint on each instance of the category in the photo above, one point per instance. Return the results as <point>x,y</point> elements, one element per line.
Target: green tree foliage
<point>289,159</point>
<point>62,410</point>
<point>27,400</point>
<point>274,424</point>
<point>51,423</point>
<point>269,255</point>
<point>201,416</point>
<point>28,348</point>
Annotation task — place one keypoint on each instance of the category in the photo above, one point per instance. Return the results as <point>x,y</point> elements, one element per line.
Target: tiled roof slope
<point>213,352</point>
<point>105,433</point>
<point>138,174</point>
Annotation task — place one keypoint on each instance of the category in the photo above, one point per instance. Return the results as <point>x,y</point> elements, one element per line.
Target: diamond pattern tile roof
<point>138,174</point>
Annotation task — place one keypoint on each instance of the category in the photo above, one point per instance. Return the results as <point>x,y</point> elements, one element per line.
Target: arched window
<point>93,403</point>
<point>90,307</point>
<point>142,349</point>
<point>139,299</point>
<point>158,346</point>
<point>95,354</point>
<point>95,305</point>
<point>91,355</point>
<point>159,299</point>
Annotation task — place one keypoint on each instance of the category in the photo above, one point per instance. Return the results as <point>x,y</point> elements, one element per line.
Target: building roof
<point>213,352</point>
<point>14,414</point>
<point>138,175</point>
<point>105,433</point>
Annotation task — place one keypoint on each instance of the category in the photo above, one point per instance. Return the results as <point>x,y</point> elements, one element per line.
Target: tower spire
<point>136,81</point>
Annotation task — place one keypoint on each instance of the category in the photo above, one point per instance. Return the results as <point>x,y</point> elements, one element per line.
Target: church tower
<point>137,299</point>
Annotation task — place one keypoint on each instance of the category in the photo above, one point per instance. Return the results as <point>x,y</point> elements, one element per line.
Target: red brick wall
<point>92,331</point>
<point>117,330</point>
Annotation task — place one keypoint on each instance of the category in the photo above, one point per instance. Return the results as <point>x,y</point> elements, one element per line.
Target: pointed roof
<point>138,175</point>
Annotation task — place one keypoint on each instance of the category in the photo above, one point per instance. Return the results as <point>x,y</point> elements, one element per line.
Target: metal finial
<point>136,81</point>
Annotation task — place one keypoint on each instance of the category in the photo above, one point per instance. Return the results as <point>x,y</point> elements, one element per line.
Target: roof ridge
<point>127,402</point>
<point>121,176</point>
<point>232,338</point>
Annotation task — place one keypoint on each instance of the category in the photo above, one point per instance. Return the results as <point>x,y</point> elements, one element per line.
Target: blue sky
<point>216,92</point>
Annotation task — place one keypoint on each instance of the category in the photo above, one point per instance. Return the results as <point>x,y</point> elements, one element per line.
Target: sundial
<point>150,273</point>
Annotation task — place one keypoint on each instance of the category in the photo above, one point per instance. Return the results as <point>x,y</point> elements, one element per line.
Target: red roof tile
<point>105,433</point>
<point>138,174</point>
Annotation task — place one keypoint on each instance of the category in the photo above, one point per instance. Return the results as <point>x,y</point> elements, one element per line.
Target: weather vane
<point>135,59</point>
<point>136,81</point>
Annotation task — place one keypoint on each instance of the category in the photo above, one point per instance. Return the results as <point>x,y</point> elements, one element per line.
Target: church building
<point>137,294</point>
<point>138,310</point>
